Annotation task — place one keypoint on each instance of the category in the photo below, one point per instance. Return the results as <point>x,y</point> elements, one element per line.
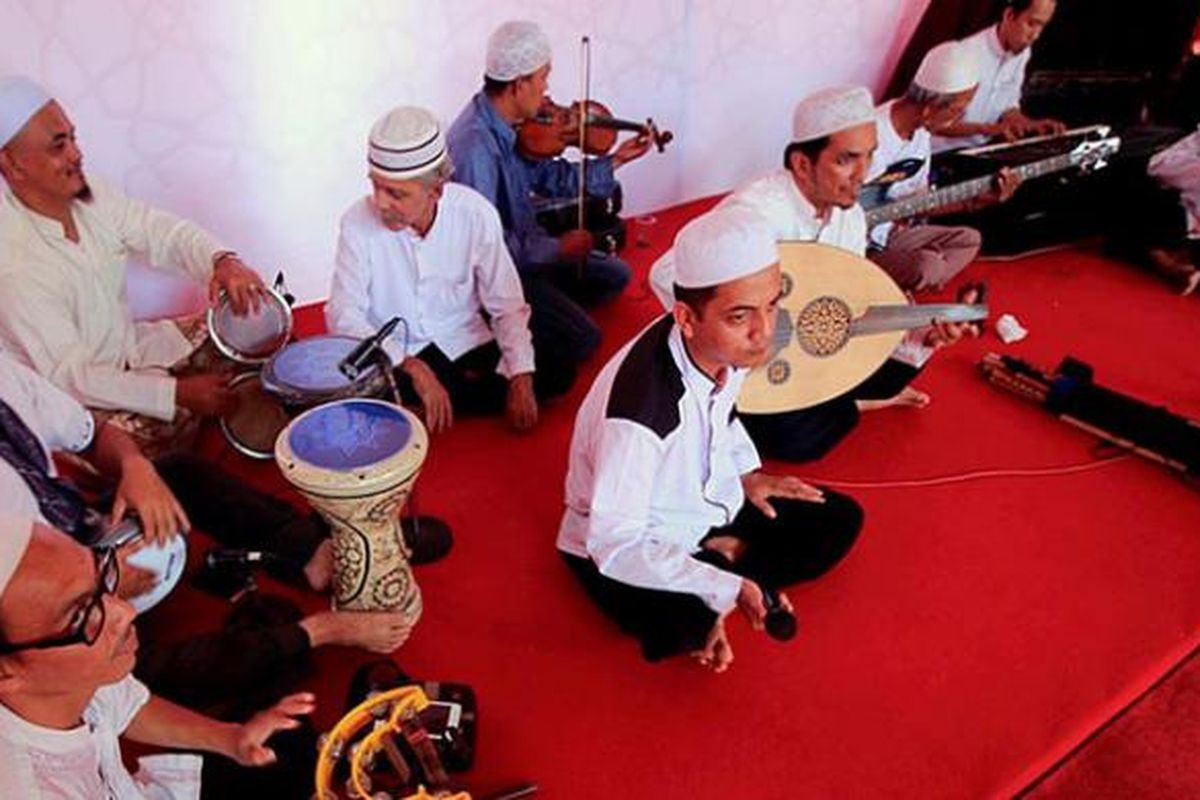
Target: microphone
<point>364,353</point>
<point>780,623</point>
<point>229,557</point>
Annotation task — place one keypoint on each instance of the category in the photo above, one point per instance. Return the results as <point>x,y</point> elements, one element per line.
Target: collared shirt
<point>84,763</point>
<point>656,462</point>
<point>791,216</point>
<point>483,147</point>
<point>1178,167</point>
<point>1001,78</point>
<point>893,148</point>
<point>438,283</point>
<point>55,418</point>
<point>63,309</point>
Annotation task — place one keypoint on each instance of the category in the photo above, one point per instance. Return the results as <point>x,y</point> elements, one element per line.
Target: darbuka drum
<point>258,417</point>
<point>356,462</point>
<point>305,373</point>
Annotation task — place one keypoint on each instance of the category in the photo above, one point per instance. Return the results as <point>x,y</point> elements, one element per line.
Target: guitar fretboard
<point>960,192</point>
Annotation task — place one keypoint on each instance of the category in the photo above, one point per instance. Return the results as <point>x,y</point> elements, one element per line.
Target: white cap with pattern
<point>405,143</point>
<point>516,49</point>
<point>949,68</point>
<point>831,110</point>
<point>15,532</point>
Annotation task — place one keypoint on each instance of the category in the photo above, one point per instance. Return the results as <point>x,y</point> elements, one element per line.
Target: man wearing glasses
<point>67,646</point>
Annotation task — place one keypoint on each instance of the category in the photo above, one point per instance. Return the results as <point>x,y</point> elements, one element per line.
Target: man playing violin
<point>1002,52</point>
<point>558,273</point>
<point>65,240</point>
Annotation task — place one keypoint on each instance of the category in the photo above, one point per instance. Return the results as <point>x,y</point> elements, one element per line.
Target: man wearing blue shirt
<point>558,272</point>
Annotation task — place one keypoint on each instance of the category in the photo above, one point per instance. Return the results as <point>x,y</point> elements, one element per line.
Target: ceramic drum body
<point>356,461</point>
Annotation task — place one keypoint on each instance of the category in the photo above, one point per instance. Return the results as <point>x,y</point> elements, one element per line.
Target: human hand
<point>1006,184</point>
<point>247,744</point>
<point>243,285</point>
<point>206,394</point>
<point>575,244</point>
<point>760,487</point>
<point>439,414</point>
<point>631,149</point>
<point>522,407</point>
<point>142,489</point>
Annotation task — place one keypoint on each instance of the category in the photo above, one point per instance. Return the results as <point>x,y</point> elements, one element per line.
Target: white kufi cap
<point>721,246</point>
<point>20,99</point>
<point>516,49</point>
<point>949,68</point>
<point>15,532</point>
<point>831,110</point>
<point>406,143</point>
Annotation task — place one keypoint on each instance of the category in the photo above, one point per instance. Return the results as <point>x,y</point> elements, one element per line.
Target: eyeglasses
<point>87,621</point>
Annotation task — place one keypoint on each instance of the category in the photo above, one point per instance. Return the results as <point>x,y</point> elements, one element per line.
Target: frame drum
<point>254,424</point>
<point>356,462</point>
<point>255,337</point>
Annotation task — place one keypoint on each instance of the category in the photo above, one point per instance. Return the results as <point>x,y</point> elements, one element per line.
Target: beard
<point>84,195</point>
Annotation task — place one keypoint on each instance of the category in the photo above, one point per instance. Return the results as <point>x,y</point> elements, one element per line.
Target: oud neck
<point>919,204</point>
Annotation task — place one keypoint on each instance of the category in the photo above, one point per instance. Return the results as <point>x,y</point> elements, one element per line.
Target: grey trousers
<point>927,256</point>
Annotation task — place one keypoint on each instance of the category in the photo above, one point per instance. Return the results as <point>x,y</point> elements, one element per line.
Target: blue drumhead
<point>311,365</point>
<point>349,434</point>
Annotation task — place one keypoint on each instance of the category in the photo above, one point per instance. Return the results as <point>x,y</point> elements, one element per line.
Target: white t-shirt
<point>84,763</point>
<point>891,150</point>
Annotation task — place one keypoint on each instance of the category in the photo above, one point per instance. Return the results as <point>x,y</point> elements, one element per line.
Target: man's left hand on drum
<point>143,491</point>
<point>206,394</point>
<point>243,285</point>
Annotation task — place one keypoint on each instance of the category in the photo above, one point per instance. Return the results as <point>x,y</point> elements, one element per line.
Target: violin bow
<point>585,77</point>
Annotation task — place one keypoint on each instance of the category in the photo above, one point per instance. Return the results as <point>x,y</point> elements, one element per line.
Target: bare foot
<point>907,398</point>
<point>729,546</point>
<point>319,569</point>
<point>377,631</point>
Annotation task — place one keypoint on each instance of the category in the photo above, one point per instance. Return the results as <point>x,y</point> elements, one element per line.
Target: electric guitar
<point>839,319</point>
<point>1087,155</point>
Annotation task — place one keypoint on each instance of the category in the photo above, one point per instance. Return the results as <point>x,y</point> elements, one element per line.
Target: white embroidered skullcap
<point>405,143</point>
<point>15,532</point>
<point>515,49</point>
<point>949,68</point>
<point>723,245</point>
<point>20,99</point>
<point>831,110</point>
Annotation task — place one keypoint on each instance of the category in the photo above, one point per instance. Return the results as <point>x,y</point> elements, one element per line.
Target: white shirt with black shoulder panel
<point>656,461</point>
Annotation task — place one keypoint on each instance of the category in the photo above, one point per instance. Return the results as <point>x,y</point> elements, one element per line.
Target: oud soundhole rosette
<point>823,326</point>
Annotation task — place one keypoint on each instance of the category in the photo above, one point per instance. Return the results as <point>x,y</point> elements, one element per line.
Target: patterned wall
<point>250,116</point>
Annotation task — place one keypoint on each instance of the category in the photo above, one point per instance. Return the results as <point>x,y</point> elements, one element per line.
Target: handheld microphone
<point>229,557</point>
<point>364,353</point>
<point>780,623</point>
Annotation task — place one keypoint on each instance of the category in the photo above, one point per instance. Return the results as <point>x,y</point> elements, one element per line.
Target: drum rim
<point>409,459</point>
<point>294,395</point>
<point>227,432</point>
<point>232,352</point>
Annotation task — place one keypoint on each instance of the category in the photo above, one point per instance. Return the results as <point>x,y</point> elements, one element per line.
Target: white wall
<point>250,116</point>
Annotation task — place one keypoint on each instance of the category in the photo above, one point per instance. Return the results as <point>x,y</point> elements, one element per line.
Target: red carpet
<point>975,635</point>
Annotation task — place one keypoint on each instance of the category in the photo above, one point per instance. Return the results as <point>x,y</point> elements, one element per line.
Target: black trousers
<point>810,433</point>
<point>248,661</point>
<point>473,383</point>
<point>802,543</point>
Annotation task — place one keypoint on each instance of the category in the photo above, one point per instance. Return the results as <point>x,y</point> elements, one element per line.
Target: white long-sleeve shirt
<point>656,461</point>
<point>1001,79</point>
<point>1178,167</point>
<point>63,309</point>
<point>439,283</point>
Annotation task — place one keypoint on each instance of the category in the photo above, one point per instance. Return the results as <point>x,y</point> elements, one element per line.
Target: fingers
<point>118,509</point>
<point>794,488</point>
<point>764,505</point>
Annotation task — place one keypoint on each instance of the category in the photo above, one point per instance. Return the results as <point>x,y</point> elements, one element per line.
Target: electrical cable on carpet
<point>941,480</point>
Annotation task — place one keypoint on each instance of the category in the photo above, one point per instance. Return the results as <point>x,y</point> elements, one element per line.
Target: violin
<point>555,128</point>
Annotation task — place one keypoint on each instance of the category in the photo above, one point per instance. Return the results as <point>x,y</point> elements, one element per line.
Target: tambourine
<point>165,561</point>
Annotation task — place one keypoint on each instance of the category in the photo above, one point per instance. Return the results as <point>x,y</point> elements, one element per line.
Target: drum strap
<point>60,503</point>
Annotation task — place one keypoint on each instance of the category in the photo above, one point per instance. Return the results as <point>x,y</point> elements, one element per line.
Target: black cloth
<point>474,385</point>
<point>810,433</point>
<point>289,778</point>
<point>802,543</point>
<point>60,503</point>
